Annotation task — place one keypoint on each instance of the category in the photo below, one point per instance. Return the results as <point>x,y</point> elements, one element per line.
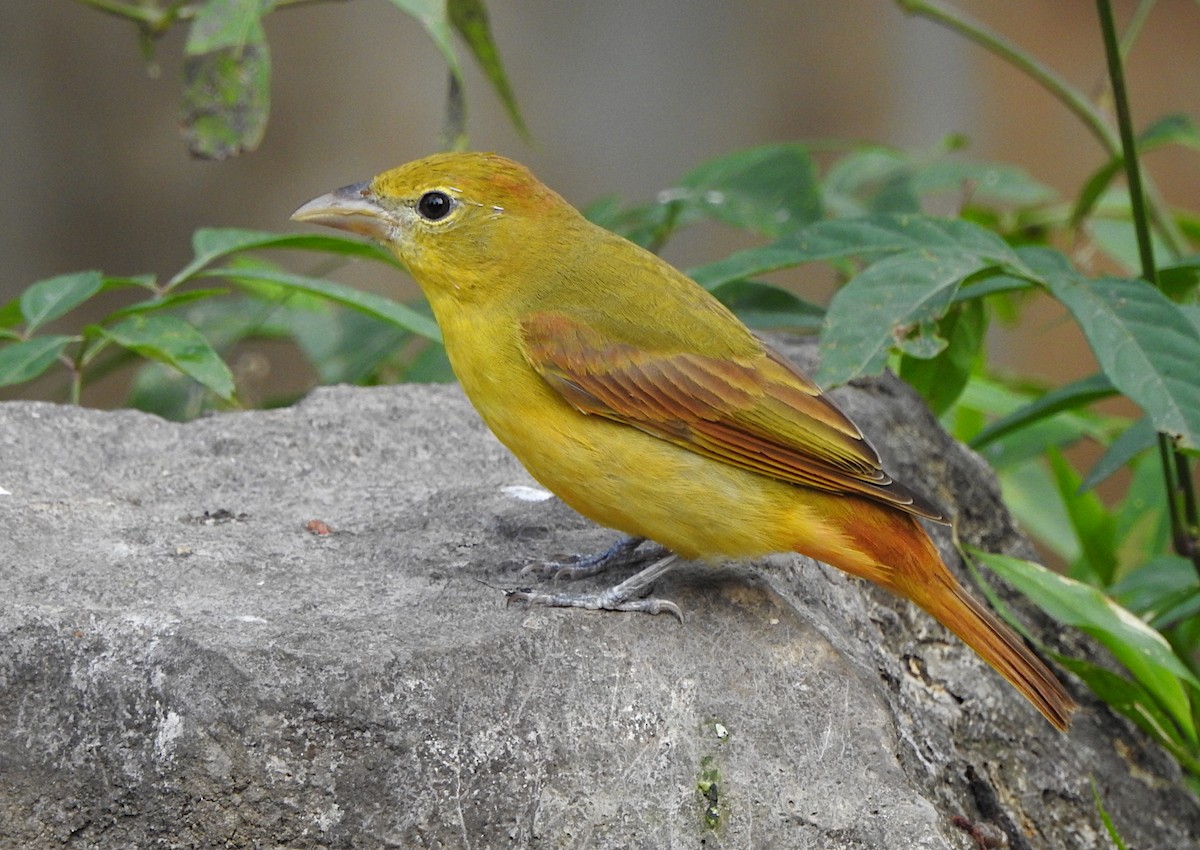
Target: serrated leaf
<point>1143,651</point>
<point>384,308</point>
<point>941,379</point>
<point>1147,347</point>
<point>770,190</point>
<point>470,18</point>
<point>222,24</point>
<point>25,360</point>
<point>882,305</point>
<point>177,344</point>
<point>48,299</point>
<point>226,98</point>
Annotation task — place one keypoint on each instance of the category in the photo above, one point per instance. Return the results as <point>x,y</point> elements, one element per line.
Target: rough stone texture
<point>184,664</point>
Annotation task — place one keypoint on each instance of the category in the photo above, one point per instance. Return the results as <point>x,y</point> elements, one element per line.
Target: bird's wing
<point>762,415</point>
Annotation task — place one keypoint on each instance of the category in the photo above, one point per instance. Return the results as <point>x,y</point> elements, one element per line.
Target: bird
<point>635,396</point>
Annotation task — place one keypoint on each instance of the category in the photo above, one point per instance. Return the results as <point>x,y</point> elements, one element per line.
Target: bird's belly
<point>626,479</point>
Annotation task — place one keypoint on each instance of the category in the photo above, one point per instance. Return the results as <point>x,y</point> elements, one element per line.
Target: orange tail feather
<point>900,556</point>
<point>1002,648</point>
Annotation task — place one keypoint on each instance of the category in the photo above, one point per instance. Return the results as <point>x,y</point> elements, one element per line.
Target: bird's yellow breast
<point>622,477</point>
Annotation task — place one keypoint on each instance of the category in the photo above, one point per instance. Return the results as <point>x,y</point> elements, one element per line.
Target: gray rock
<point>185,664</point>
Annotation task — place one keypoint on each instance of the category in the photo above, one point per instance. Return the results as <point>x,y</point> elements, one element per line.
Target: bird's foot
<point>622,553</point>
<point>629,595</point>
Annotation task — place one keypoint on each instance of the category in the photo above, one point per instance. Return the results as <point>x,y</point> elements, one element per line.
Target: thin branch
<point>1077,102</point>
<point>1177,470</point>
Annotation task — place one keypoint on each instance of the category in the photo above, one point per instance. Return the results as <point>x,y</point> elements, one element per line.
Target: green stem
<point>1177,470</point>
<point>1133,171</point>
<point>1010,52</point>
<point>143,14</point>
<point>1140,14</point>
<point>1078,103</point>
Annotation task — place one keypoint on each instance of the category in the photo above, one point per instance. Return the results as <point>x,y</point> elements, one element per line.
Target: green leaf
<point>991,181</point>
<point>941,380</point>
<point>1094,527</point>
<point>870,238</point>
<point>1094,188</point>
<point>430,366</point>
<point>346,346</point>
<point>384,308</point>
<point>1143,521</point>
<point>1176,129</point>
<point>434,16</point>
<point>879,235</point>
<point>10,315</point>
<point>767,307</point>
<point>210,243</point>
<point>1132,441</point>
<point>176,344</point>
<point>226,98</point>
<point>25,360</point>
<point>1029,492</point>
<point>1180,279</point>
<point>1073,396</point>
<point>1147,347</point>
<point>470,18</point>
<point>1133,701</point>
<point>168,302</point>
<point>1143,651</point>
<point>48,299</point>
<point>1191,312</point>
<point>882,305</point>
<point>752,262</point>
<point>1155,589</point>
<point>1170,129</point>
<point>226,24</point>
<point>770,190</point>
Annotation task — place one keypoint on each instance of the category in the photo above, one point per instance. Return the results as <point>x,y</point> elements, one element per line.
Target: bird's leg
<point>621,553</point>
<point>629,595</point>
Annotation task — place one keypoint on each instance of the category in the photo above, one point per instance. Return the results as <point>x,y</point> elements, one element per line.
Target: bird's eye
<point>434,206</point>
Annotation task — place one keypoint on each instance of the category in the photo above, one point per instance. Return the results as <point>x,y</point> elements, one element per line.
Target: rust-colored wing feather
<point>760,414</point>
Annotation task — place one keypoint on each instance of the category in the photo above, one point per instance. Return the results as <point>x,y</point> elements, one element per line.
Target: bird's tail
<point>999,646</point>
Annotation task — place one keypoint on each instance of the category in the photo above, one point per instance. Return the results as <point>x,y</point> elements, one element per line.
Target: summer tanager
<point>641,401</point>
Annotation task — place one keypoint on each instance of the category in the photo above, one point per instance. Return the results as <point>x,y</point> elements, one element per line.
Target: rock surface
<point>187,663</point>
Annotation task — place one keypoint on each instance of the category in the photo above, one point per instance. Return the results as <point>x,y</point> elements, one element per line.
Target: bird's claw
<point>602,601</point>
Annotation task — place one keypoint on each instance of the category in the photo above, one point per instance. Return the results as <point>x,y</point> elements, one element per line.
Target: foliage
<point>918,294</point>
<point>227,62</point>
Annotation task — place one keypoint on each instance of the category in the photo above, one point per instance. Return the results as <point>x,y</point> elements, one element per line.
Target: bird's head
<point>453,219</point>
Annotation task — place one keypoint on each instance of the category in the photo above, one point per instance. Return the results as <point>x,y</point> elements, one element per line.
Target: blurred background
<point>621,97</point>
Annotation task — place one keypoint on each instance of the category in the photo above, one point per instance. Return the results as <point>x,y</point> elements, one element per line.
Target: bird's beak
<point>351,208</point>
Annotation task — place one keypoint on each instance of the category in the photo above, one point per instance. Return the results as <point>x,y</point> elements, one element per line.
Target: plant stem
<point>1010,52</point>
<point>1078,103</point>
<point>1177,470</point>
